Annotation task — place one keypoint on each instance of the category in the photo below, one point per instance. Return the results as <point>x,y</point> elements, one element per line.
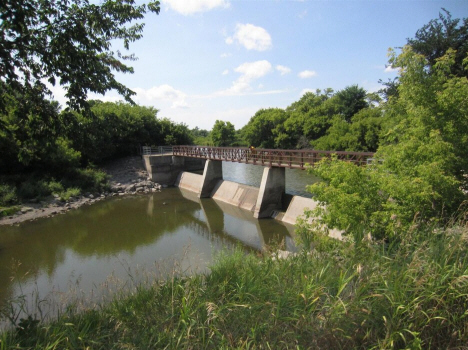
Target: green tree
<point>351,100</point>
<point>362,133</point>
<point>67,42</point>
<point>435,38</point>
<point>263,128</point>
<point>223,133</point>
<point>422,160</point>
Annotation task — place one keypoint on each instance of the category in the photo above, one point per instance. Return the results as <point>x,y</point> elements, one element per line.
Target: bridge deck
<point>297,159</point>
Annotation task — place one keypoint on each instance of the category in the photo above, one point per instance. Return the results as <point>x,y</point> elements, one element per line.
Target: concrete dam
<point>268,201</point>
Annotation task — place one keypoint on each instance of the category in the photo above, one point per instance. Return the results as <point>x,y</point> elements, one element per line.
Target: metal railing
<point>269,157</point>
<point>147,150</point>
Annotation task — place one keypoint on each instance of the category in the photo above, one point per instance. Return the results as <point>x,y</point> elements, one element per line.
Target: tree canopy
<point>436,37</point>
<point>223,133</point>
<point>68,42</point>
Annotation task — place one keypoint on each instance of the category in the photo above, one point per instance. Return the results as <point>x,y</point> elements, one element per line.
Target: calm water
<point>123,241</point>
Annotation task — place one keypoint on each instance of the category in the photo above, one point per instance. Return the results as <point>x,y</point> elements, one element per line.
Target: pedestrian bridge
<point>282,158</point>
<point>168,166</point>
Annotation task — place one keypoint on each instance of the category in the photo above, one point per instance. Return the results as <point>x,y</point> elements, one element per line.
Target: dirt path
<point>127,177</point>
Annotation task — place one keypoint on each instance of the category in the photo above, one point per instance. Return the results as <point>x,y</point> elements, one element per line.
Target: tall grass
<point>339,296</point>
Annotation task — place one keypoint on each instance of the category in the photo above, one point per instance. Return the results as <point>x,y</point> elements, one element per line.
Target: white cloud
<point>224,55</point>
<point>250,71</point>
<point>283,69</point>
<point>226,72</point>
<point>307,74</point>
<point>162,93</point>
<point>189,7</point>
<point>306,90</point>
<point>390,69</point>
<point>251,37</point>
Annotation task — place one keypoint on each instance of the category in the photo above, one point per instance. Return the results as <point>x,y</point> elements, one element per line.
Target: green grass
<point>339,296</point>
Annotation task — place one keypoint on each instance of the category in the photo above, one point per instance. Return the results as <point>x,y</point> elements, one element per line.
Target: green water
<point>120,242</point>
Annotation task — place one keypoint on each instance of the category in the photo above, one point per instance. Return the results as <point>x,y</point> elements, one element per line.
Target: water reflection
<point>89,244</point>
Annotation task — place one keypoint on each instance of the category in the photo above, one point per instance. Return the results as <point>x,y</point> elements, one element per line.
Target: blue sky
<point>203,60</point>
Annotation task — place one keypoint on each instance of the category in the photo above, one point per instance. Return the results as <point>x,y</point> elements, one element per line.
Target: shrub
<point>7,195</point>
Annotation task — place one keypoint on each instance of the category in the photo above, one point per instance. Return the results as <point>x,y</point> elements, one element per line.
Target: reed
<point>338,296</point>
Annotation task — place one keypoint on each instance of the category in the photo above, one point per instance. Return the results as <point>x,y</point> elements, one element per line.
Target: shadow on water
<point>110,238</point>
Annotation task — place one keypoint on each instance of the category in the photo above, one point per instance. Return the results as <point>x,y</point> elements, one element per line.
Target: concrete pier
<point>271,191</point>
<point>212,173</point>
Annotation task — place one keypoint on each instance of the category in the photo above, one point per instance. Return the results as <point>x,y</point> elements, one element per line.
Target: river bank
<point>127,176</point>
<point>336,297</point>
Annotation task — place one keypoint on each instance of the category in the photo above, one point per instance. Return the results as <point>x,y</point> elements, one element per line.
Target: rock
<point>91,196</point>
<point>19,212</point>
<point>283,254</point>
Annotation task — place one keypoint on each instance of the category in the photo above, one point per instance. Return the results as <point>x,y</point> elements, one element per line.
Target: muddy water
<point>122,241</point>
<point>94,251</point>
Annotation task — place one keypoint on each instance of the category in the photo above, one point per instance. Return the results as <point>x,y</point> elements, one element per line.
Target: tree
<point>262,129</point>
<point>67,42</point>
<point>435,38</point>
<point>223,133</point>
<point>422,175</point>
<point>351,100</point>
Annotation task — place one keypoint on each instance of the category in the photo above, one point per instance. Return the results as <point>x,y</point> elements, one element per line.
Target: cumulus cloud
<point>390,69</point>
<point>250,71</point>
<point>305,91</point>
<point>283,70</point>
<point>162,93</point>
<point>307,74</point>
<point>189,7</point>
<point>226,72</point>
<point>251,37</point>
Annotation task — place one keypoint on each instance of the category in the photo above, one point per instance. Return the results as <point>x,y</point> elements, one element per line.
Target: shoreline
<point>127,176</point>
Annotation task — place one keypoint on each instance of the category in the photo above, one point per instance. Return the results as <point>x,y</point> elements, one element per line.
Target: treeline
<point>348,120</point>
<point>344,121</point>
<point>40,145</point>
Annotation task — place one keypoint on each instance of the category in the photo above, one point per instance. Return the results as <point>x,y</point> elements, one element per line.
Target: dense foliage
<point>67,42</point>
<point>419,174</point>
<point>43,144</point>
<point>223,134</point>
<point>322,120</point>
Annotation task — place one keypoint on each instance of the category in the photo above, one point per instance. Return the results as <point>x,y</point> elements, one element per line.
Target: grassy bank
<point>340,296</point>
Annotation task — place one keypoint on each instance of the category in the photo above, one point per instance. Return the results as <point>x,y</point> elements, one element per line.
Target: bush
<point>34,188</point>
<point>7,195</point>
<point>70,192</point>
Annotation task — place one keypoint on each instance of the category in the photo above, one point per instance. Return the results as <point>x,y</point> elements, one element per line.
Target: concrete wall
<point>240,195</point>
<point>296,209</point>
<point>165,169</point>
<point>189,181</point>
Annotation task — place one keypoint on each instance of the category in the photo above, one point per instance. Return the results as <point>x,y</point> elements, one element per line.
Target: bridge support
<point>211,175</point>
<point>271,191</point>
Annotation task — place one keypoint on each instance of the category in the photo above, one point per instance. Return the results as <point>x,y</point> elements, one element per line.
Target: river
<point>89,253</point>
